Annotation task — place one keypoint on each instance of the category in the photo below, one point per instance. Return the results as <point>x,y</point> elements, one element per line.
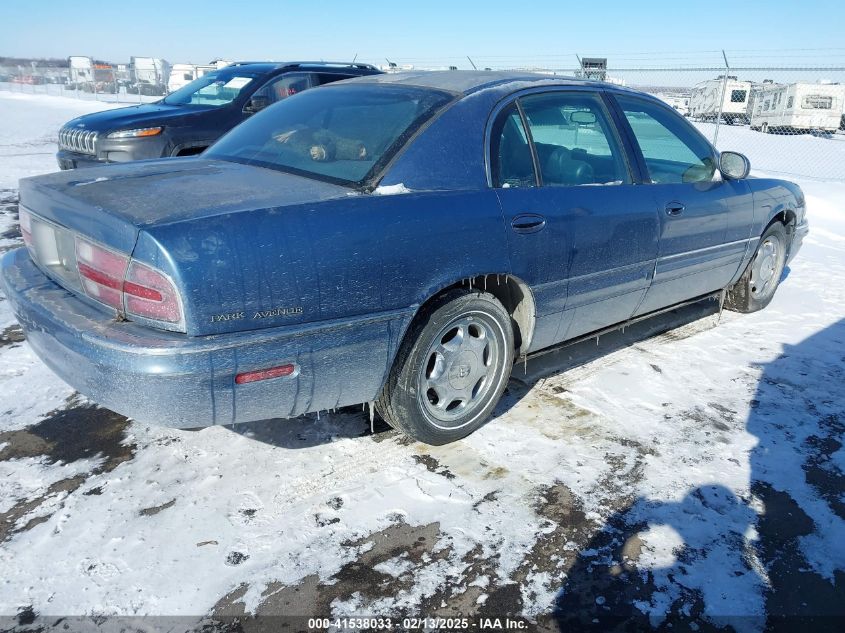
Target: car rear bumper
<point>175,380</point>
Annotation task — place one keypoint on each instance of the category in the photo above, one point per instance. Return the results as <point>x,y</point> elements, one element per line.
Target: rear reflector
<point>265,374</point>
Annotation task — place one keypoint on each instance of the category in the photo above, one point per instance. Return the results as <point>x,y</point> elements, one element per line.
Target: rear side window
<point>327,78</point>
<point>511,164</point>
<point>672,149</point>
<point>574,140</point>
<point>284,86</point>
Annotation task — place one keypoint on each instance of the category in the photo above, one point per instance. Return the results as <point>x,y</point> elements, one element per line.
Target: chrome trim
<point>705,249</point>
<point>79,141</point>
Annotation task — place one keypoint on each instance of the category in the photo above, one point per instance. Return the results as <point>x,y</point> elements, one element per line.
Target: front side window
<point>511,164</point>
<point>673,151</point>
<point>341,133</point>
<point>817,102</point>
<point>573,139</point>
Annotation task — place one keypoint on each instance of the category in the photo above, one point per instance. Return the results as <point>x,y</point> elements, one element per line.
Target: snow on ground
<point>800,155</point>
<point>29,125</point>
<point>690,468</point>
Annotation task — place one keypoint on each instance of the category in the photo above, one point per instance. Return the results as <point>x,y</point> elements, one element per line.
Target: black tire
<point>753,291</point>
<point>477,331</point>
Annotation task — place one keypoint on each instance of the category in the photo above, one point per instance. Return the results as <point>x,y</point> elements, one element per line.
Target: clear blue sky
<point>493,32</point>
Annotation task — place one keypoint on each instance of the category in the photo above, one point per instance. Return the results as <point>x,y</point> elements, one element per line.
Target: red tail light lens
<point>102,272</point>
<point>125,285</point>
<point>151,295</point>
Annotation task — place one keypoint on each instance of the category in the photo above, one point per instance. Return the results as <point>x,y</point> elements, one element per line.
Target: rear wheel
<point>451,369</point>
<point>755,289</point>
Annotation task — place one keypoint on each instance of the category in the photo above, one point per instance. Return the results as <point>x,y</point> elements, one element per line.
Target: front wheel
<point>755,289</point>
<point>451,369</point>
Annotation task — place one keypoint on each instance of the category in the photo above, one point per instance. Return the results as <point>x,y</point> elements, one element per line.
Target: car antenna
<point>474,67</point>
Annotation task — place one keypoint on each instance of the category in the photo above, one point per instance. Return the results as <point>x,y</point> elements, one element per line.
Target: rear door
<point>701,214</point>
<point>581,233</point>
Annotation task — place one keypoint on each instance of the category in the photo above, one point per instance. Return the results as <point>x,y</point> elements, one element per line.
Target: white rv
<point>183,74</point>
<point>798,107</point>
<point>705,100</point>
<point>677,100</point>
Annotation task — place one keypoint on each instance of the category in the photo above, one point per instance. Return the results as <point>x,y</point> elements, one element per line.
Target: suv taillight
<point>126,285</point>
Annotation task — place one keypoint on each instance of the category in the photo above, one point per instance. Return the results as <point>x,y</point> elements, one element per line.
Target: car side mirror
<point>256,103</point>
<point>734,165</point>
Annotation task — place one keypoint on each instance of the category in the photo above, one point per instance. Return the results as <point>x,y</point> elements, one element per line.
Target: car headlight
<point>140,132</point>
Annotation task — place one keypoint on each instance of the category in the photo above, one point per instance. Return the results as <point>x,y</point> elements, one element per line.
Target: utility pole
<point>722,100</point>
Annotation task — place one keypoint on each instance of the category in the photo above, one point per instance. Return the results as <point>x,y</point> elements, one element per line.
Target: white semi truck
<point>730,97</point>
<point>149,76</point>
<point>89,76</point>
<point>798,107</point>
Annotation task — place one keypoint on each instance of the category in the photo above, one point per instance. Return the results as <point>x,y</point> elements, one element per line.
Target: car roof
<point>469,81</point>
<point>267,66</point>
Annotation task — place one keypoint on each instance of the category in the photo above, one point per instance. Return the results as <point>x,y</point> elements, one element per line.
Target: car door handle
<point>674,208</point>
<point>528,223</point>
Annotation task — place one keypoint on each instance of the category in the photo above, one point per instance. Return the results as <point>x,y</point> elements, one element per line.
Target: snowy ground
<point>690,471</point>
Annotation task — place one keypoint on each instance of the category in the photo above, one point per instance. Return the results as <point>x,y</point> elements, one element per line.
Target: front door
<point>697,254</point>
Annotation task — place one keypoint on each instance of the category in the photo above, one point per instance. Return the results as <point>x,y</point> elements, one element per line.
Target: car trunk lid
<point>125,198</point>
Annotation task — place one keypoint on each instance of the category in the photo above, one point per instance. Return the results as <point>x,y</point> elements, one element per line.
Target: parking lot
<point>688,469</point>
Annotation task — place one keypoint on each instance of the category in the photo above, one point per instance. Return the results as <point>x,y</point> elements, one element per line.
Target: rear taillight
<point>149,294</point>
<point>102,272</point>
<point>127,286</point>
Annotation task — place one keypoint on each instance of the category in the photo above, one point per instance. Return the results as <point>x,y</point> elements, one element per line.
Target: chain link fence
<point>85,91</point>
<point>84,78</point>
<point>785,118</point>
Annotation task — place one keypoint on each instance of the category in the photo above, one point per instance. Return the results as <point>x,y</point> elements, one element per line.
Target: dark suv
<point>190,119</point>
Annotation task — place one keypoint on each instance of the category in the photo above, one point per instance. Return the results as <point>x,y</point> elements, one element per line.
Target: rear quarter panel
<point>337,259</point>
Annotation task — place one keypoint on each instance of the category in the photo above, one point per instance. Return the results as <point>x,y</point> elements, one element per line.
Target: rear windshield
<point>212,89</point>
<point>340,133</point>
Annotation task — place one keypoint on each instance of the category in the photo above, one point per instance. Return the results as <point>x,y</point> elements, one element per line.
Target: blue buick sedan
<point>398,239</point>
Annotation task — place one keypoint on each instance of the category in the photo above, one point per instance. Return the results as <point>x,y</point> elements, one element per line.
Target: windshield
<point>339,133</point>
<point>212,89</point>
